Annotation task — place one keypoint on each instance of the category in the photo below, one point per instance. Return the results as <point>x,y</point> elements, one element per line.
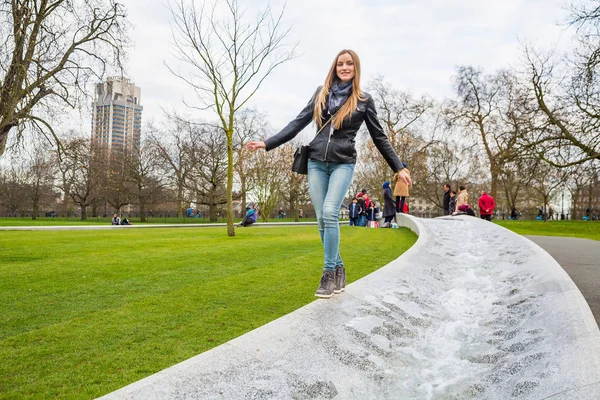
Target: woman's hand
<point>405,177</point>
<point>254,145</point>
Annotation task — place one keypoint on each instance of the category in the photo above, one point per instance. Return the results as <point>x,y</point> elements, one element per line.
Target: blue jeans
<point>362,220</point>
<point>328,184</point>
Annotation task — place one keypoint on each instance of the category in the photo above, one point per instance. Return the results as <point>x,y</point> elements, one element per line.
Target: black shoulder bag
<point>300,164</point>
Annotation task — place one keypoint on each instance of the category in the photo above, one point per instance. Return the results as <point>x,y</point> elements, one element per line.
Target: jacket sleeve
<point>379,138</point>
<point>293,128</point>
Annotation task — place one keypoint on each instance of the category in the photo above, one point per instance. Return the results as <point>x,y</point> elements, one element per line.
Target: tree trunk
<point>142,209</point>
<point>230,228</point>
<point>180,200</point>
<point>509,201</point>
<point>574,205</point>
<point>36,206</point>
<point>494,186</point>
<point>4,135</point>
<point>212,212</point>
<point>83,212</point>
<point>243,190</point>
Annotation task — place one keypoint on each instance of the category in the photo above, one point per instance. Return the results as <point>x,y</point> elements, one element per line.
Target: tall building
<point>117,114</point>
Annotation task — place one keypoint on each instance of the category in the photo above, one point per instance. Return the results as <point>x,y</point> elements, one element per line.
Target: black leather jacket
<point>338,145</point>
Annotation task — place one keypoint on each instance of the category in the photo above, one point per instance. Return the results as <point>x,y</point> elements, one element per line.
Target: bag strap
<point>325,124</point>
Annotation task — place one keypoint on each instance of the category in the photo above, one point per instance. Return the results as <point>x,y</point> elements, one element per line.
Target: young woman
<point>339,107</point>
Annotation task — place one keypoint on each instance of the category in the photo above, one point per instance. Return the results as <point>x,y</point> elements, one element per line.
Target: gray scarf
<point>338,94</point>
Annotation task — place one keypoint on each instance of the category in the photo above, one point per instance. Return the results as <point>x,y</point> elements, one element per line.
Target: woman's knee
<point>330,214</point>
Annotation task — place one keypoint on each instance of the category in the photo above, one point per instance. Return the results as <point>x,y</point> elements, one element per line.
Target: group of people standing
<point>458,204</point>
<point>362,211</point>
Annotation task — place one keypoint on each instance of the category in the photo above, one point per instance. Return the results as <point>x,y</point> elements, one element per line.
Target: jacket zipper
<point>328,141</point>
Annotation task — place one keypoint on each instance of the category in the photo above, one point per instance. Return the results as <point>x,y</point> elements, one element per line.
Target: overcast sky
<point>414,44</point>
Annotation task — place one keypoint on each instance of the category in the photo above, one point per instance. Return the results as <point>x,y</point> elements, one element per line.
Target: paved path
<point>580,258</point>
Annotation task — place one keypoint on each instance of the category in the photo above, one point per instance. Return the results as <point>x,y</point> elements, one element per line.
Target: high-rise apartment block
<point>117,114</point>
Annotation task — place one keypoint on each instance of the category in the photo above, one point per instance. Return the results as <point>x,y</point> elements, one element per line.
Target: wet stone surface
<point>483,317</point>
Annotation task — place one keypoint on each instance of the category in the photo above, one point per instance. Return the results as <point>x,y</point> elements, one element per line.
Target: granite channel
<point>487,316</point>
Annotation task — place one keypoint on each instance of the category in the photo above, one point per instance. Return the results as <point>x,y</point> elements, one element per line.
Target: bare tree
<point>451,161</point>
<point>402,117</point>
<point>493,109</point>
<point>249,125</point>
<point>546,180</point>
<point>83,166</point>
<point>294,189</point>
<point>39,175</point>
<point>171,143</point>
<point>13,189</point>
<point>517,175</point>
<point>49,49</point>
<point>584,186</point>
<point>144,182</point>
<point>568,100</point>
<point>207,155</point>
<point>269,179</point>
<point>586,17</point>
<point>115,175</point>
<point>228,59</point>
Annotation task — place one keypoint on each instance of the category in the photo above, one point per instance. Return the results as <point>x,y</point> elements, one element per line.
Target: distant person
<point>486,206</point>
<point>465,209</point>
<point>372,212</point>
<point>190,212</point>
<point>550,213</point>
<point>446,201</point>
<point>150,214</point>
<point>452,202</point>
<point>281,213</point>
<point>463,197</point>
<point>250,216</point>
<point>363,194</point>
<point>514,214</point>
<point>400,191</point>
<point>116,220</point>
<point>362,215</point>
<point>389,206</point>
<point>300,213</point>
<point>126,221</point>
<point>354,211</point>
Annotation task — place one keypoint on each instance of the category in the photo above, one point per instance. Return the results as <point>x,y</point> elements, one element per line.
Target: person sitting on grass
<point>116,220</point>
<point>250,217</point>
<point>126,221</point>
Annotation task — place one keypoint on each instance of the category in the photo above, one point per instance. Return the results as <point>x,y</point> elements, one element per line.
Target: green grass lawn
<point>85,313</point>
<point>44,221</point>
<point>580,229</point>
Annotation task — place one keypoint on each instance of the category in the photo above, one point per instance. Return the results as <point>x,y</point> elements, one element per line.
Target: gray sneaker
<point>340,279</point>
<point>327,285</point>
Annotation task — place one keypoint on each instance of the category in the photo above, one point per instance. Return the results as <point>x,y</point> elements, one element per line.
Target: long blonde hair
<point>350,105</point>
